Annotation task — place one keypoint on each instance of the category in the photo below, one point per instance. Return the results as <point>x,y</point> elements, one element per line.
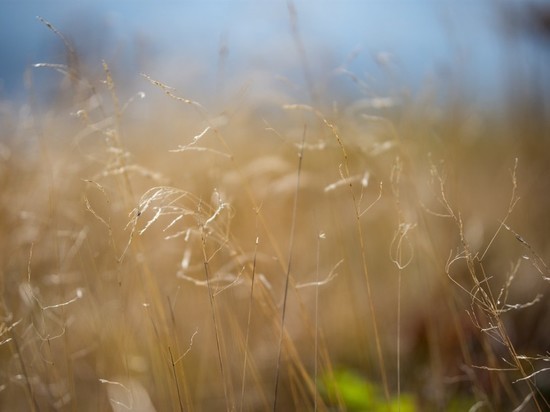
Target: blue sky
<point>426,38</point>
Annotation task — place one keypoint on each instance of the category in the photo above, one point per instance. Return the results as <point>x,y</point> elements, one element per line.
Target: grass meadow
<point>160,252</point>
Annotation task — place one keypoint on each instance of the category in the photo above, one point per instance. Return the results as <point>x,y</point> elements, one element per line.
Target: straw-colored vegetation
<point>157,255</point>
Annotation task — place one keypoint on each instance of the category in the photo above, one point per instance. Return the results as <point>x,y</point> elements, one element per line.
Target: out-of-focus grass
<point>149,250</point>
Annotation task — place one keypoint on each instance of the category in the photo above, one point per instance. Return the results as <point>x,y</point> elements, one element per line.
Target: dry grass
<point>157,256</point>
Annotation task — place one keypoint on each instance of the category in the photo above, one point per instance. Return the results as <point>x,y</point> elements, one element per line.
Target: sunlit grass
<point>163,257</point>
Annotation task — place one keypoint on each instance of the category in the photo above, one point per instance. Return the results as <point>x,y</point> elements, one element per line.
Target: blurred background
<point>435,101</point>
<point>207,46</point>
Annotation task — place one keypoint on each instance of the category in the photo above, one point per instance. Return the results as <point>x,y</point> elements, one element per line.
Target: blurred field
<point>270,253</point>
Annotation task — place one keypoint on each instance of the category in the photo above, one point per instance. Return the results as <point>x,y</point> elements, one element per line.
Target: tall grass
<point>158,256</point>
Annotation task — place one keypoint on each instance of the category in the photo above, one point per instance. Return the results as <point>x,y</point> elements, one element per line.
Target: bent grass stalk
<point>400,260</point>
<point>203,113</point>
<point>287,278</point>
<point>484,303</point>
<point>362,246</point>
<point>228,401</point>
<point>249,318</point>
